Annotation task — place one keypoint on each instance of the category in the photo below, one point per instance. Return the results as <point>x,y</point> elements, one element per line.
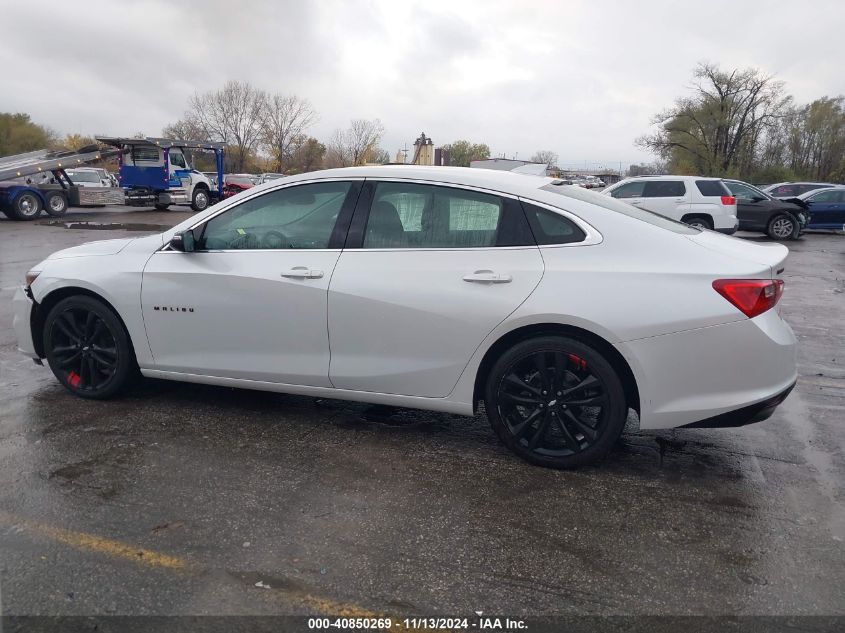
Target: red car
<point>235,183</point>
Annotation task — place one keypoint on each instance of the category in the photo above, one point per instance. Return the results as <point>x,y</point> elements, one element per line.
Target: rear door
<point>669,198</point>
<point>428,271</point>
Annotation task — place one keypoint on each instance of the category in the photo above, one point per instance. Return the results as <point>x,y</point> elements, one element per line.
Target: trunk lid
<point>770,255</point>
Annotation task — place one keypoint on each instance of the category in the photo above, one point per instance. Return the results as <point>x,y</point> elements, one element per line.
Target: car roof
<point>813,192</point>
<point>493,179</point>
<point>665,177</point>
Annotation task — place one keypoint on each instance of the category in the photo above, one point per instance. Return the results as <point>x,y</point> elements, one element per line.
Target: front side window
<point>664,189</point>
<point>629,190</point>
<point>824,196</point>
<point>744,192</point>
<point>407,215</point>
<point>301,216</point>
<point>177,159</point>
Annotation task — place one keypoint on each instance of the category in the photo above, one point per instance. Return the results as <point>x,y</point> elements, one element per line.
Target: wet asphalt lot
<point>186,499</point>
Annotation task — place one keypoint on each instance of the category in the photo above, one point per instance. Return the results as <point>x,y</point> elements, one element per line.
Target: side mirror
<point>183,242</point>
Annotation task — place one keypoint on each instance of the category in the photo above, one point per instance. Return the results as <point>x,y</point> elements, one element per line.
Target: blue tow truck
<point>157,172</point>
<point>37,181</point>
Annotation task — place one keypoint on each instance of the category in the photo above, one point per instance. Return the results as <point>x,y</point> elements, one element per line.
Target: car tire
<point>201,199</point>
<point>161,207</point>
<point>536,400</point>
<point>700,222</point>
<point>26,206</point>
<point>56,204</point>
<point>88,348</point>
<point>782,227</point>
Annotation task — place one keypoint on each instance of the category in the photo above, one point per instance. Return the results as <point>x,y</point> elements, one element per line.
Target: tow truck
<point>36,181</point>
<point>156,172</point>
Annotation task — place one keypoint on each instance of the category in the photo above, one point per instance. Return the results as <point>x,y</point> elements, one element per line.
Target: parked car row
<point>781,211</point>
<point>587,182</point>
<point>235,183</point>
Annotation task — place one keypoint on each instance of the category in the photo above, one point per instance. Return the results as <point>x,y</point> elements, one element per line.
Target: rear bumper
<point>699,375</point>
<point>22,307</point>
<point>746,415</point>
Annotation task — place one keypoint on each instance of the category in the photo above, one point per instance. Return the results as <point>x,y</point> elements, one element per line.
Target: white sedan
<point>434,288</point>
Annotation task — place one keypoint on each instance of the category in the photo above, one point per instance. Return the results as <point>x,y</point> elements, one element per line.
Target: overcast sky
<point>580,78</point>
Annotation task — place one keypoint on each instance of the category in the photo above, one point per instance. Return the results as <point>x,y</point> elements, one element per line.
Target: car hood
<point>101,247</point>
<point>770,255</point>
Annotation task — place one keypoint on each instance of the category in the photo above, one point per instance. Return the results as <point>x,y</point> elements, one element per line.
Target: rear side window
<point>805,188</point>
<point>552,228</point>
<point>712,188</point>
<point>411,215</point>
<point>145,154</point>
<point>664,189</point>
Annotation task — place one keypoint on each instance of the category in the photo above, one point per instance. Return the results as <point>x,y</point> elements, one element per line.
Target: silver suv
<point>703,202</point>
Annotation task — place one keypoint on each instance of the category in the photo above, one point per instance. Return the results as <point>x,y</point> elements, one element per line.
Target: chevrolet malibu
<point>435,288</point>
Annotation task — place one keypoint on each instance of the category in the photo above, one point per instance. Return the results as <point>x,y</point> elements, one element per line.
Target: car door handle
<point>488,277</point>
<point>635,202</point>
<point>302,272</point>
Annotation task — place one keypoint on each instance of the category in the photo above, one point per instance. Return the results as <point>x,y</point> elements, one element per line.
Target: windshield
<point>612,204</point>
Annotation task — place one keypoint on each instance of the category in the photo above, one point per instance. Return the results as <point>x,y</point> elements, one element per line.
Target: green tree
<point>717,129</point>
<point>18,134</point>
<point>75,141</point>
<point>462,152</point>
<point>307,155</point>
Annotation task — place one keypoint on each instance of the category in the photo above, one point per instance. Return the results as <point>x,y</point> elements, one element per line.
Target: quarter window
<point>552,228</point>
<point>301,216</point>
<point>406,215</point>
<point>664,189</point>
<point>712,188</point>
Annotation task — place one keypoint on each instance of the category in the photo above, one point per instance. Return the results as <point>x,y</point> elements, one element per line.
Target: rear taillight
<point>728,200</point>
<point>751,296</point>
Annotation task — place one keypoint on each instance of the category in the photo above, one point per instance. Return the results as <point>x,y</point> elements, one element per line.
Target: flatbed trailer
<point>23,199</point>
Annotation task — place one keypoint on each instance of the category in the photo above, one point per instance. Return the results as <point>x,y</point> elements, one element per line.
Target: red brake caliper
<point>578,361</point>
<point>73,379</point>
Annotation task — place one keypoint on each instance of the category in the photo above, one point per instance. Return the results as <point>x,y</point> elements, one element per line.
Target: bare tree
<point>545,156</point>
<point>285,119</point>
<point>355,144</point>
<point>232,115</point>
<point>185,129</point>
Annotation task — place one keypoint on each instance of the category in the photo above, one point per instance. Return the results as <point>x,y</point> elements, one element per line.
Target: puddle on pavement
<point>106,226</point>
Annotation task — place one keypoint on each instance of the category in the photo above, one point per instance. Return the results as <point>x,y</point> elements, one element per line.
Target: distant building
<point>609,178</point>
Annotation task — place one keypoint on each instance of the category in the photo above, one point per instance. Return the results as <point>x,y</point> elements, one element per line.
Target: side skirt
<point>394,400</point>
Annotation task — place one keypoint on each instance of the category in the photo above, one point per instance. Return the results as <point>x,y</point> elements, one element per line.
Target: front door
<point>827,209</point>
<point>251,301</point>
<point>435,270</point>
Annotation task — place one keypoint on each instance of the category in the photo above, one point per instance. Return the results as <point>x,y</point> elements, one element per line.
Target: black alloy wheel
<point>88,348</point>
<point>556,402</point>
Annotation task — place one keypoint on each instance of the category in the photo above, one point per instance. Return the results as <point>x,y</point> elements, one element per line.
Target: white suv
<point>703,202</point>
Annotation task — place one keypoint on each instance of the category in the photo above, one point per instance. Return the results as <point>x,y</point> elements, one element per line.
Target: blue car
<point>827,208</point>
